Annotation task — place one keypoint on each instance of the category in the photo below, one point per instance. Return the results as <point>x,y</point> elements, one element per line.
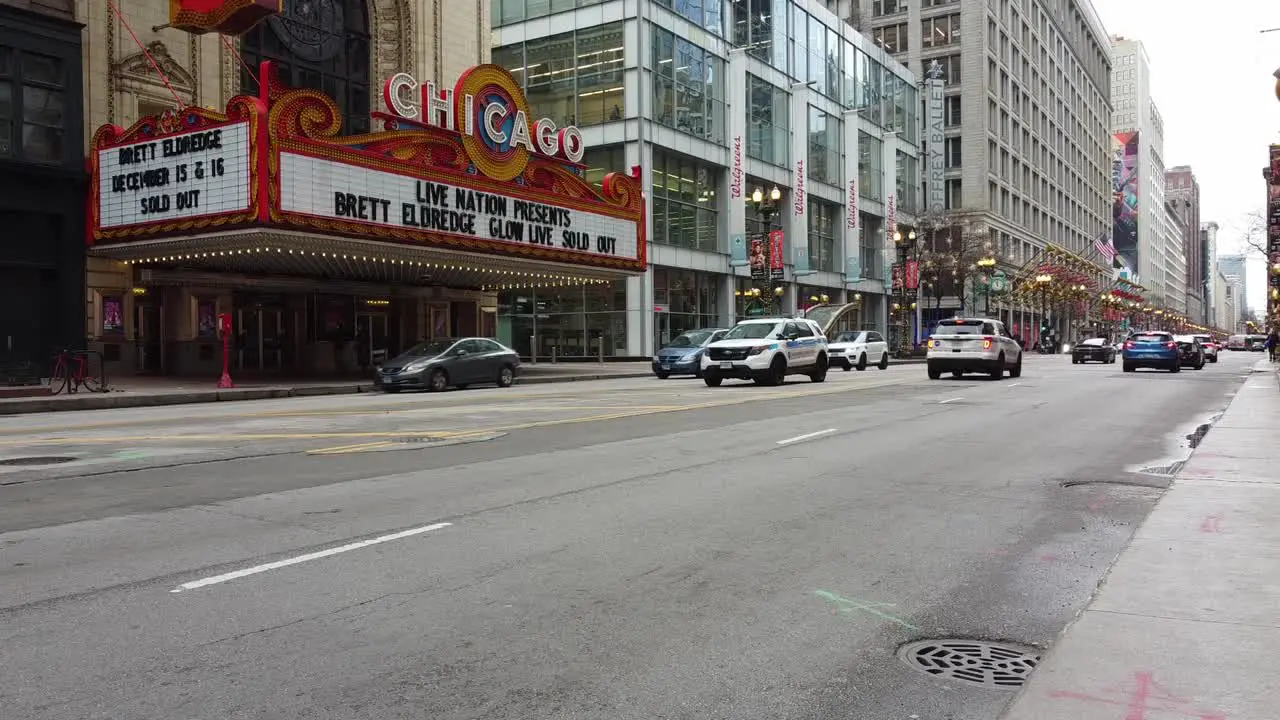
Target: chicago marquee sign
<point>463,169</point>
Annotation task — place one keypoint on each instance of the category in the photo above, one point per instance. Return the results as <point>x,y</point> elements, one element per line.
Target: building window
<point>322,45</point>
<point>950,65</point>
<point>952,152</point>
<point>32,98</point>
<point>760,26</point>
<point>893,38</point>
<point>684,202</point>
<point>705,13</point>
<point>870,244</point>
<point>823,220</point>
<point>767,136</point>
<point>887,7</point>
<point>870,167</point>
<point>690,299</point>
<point>688,86</point>
<point>908,182</point>
<point>955,198</point>
<point>575,320</point>
<point>571,78</point>
<point>941,31</point>
<point>508,12</point>
<point>824,147</point>
<point>951,111</point>
<point>600,162</point>
<point>937,3</point>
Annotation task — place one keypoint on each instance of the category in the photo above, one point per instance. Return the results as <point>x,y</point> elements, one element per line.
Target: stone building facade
<point>124,43</point>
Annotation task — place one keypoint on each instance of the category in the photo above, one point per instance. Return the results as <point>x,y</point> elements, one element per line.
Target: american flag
<point>1104,247</point>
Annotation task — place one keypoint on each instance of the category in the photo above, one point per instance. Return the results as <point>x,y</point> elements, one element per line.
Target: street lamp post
<point>904,245</point>
<point>1043,280</point>
<point>766,207</point>
<point>987,264</point>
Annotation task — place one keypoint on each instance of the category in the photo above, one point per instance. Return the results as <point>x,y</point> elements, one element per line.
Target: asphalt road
<point>620,549</point>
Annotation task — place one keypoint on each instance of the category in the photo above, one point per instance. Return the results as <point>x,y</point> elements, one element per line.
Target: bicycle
<point>70,373</point>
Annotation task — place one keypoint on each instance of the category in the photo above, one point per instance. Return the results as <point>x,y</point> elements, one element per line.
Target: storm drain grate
<point>992,665</point>
<point>51,460</point>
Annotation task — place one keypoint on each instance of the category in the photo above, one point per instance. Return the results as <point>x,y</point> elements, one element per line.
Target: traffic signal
<point>1044,327</point>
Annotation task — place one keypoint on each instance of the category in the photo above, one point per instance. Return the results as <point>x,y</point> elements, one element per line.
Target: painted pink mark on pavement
<point>1143,699</point>
<point>1211,524</point>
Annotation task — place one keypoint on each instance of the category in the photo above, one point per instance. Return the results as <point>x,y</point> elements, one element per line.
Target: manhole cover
<point>52,460</point>
<point>993,665</point>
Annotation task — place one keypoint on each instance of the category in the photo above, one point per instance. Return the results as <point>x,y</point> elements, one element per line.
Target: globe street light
<point>767,209</point>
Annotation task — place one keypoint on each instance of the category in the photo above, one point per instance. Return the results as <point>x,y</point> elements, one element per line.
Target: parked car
<point>1154,349</point>
<point>855,348</point>
<point>440,364</point>
<point>766,350</point>
<point>683,355</point>
<point>1190,352</point>
<point>1093,350</point>
<point>1210,346</point>
<point>973,345</point>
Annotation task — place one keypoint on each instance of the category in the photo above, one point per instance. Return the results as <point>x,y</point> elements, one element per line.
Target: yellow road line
<point>359,447</point>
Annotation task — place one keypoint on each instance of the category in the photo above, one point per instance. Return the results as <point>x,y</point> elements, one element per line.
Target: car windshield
<point>967,328</point>
<point>849,336</point>
<point>753,331</point>
<point>696,338</point>
<point>1152,337</point>
<point>1203,338</point>
<point>1093,342</point>
<point>431,348</point>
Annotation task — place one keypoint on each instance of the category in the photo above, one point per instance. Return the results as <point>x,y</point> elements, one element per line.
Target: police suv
<point>767,350</point>
<point>973,345</point>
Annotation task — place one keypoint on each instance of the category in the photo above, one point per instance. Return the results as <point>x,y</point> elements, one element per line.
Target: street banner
<point>777,256</point>
<point>853,268</point>
<point>757,258</point>
<point>800,259</point>
<point>896,277</point>
<point>913,274</point>
<point>738,250</point>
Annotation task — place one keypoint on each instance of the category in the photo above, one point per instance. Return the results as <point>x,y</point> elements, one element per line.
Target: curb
<point>110,401</point>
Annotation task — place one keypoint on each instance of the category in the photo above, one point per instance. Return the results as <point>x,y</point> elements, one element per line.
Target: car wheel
<point>998,372</point>
<point>663,375</point>
<point>884,362</point>
<point>846,366</point>
<point>1213,359</point>
<point>1016,370</point>
<point>1128,367</point>
<point>1177,367</point>
<point>712,379</point>
<point>506,376</point>
<point>1200,365</point>
<point>957,374</point>
<point>820,370</point>
<point>437,381</point>
<point>862,362</point>
<point>777,373</point>
<point>1075,361</point>
<point>934,373</point>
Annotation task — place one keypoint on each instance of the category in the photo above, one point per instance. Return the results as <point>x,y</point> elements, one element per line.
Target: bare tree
<point>1253,233</point>
<point>949,257</point>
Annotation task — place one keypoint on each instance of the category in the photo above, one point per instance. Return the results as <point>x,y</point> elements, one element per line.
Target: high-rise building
<point>1209,241</point>
<point>1224,303</point>
<point>1027,139</point>
<point>1174,230</point>
<point>1182,196</point>
<point>723,105</point>
<point>1138,172</point>
<point>1232,268</point>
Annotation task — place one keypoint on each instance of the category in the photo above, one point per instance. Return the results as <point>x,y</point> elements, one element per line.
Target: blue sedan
<point>683,355</point>
<point>1151,350</point>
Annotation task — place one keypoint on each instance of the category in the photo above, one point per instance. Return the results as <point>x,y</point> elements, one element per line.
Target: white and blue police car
<point>767,350</point>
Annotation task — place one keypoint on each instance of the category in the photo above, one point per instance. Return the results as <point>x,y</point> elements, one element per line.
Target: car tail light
<point>986,343</point>
<point>1128,344</point>
<point>1172,345</point>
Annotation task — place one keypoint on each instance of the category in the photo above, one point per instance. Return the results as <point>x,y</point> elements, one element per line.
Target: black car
<point>1093,350</point>
<point>439,364</point>
<point>1190,352</point>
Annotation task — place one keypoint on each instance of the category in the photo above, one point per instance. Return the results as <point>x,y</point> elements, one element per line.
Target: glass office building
<point>716,99</point>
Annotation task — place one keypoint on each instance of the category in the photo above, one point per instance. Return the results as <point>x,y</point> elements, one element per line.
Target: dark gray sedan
<point>440,364</point>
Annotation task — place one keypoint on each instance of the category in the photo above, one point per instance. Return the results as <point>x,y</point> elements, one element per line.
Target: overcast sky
<point>1212,80</point>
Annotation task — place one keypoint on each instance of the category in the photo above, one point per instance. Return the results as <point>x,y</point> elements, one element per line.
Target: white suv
<point>766,350</point>
<point>973,345</point>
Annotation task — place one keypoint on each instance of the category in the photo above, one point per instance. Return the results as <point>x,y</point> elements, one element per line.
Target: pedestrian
<point>1273,339</point>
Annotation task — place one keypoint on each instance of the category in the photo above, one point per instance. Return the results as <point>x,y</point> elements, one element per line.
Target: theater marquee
<point>481,176</point>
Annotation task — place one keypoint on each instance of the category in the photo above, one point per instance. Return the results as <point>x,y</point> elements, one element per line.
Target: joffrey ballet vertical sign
<point>936,179</point>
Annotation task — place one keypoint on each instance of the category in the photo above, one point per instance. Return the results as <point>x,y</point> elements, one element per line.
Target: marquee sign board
<point>279,161</point>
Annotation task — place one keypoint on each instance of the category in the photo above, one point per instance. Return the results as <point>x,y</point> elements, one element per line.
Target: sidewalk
<point>1187,623</point>
<point>149,392</point>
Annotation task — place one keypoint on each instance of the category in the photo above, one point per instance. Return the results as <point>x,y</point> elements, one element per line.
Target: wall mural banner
<point>737,250</point>
<point>937,137</point>
<point>478,175</point>
<point>1126,188</point>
